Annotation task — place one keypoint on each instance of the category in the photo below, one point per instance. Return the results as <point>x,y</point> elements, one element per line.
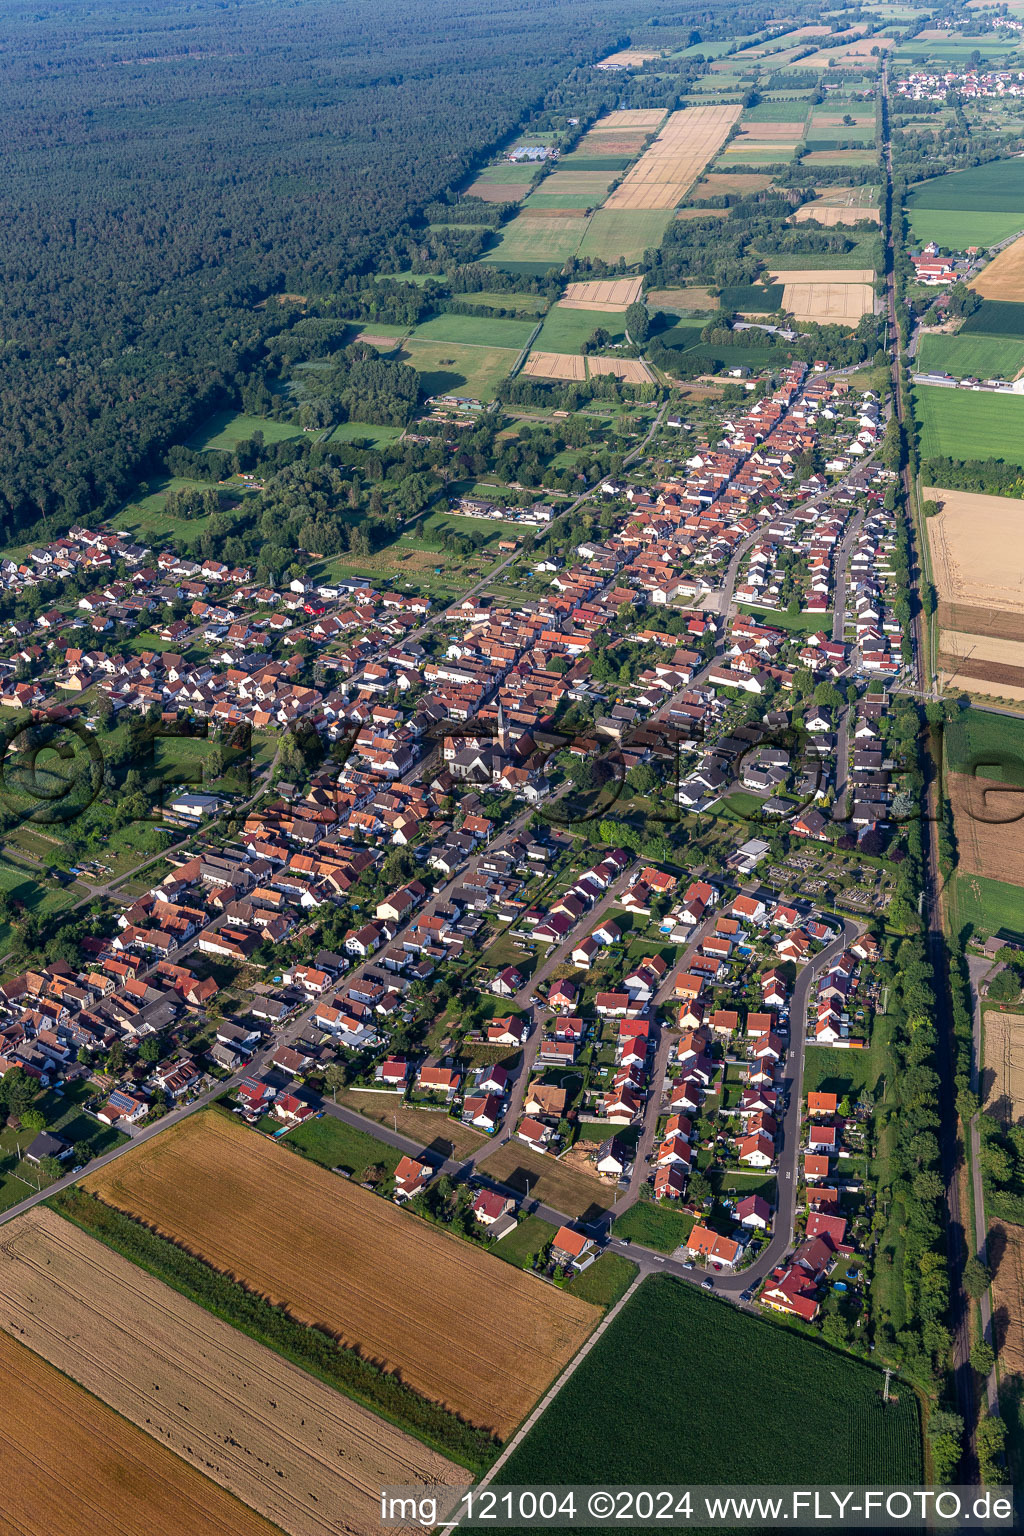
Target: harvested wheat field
<point>1005,1252</point>
<point>986,844</point>
<point>974,679</point>
<point>304,1456</point>
<point>628,58</point>
<point>555,365</point>
<point>93,1471</point>
<point>1004,1065</point>
<point>829,303</point>
<point>835,277</point>
<point>977,549</point>
<point>666,171</point>
<point>606,297</point>
<point>632,117</point>
<point>1004,277</point>
<point>629,370</point>
<point>829,215</point>
<point>725,183</point>
<point>399,1289</point>
<point>960,645</point>
<point>682,299</point>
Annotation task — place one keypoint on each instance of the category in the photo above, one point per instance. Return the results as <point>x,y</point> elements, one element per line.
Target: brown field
<point>566,1189</point>
<point>1004,277</point>
<point>829,215</point>
<point>608,141</point>
<point>529,213</point>
<point>1003,1077</point>
<point>630,370</point>
<point>818,275</point>
<point>555,365</point>
<point>387,342</point>
<point>450,1138</point>
<point>633,117</point>
<point>665,172</point>
<point>498,191</point>
<point>681,298</point>
<point>399,1289</point>
<point>253,1423</point>
<point>764,131</point>
<point>614,295</point>
<point>722,183</point>
<point>986,845</point>
<point>984,679</point>
<point>1005,1250</point>
<point>969,542</point>
<point>828,302</point>
<point>858,52</point>
<point>981,621</point>
<point>836,156</point>
<point>835,119</point>
<point>97,1472</point>
<point>629,57</point>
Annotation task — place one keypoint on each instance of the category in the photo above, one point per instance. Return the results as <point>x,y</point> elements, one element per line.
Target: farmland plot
<point>827,302</point>
<point>613,296</point>
<point>288,1446</point>
<point>555,365</point>
<point>1006,1256</point>
<point>1004,1066</point>
<point>988,843</point>
<point>617,235</point>
<point>398,1289</point>
<point>1004,277</point>
<point>70,1482</point>
<point>665,172</point>
<point>977,545</point>
<point>965,425</point>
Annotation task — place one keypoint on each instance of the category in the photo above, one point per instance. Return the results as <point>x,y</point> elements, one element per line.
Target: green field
<point>565,330</point>
<point>474,331</point>
<point>604,1282</point>
<point>965,425</point>
<point>995,317</point>
<point>655,1226</point>
<point>683,334</point>
<point>504,171</point>
<point>980,736</point>
<point>988,907</point>
<point>619,234</point>
<point>972,356</point>
<point>955,230</point>
<point>866,251</point>
<point>841,157</point>
<point>548,241</point>
<point>446,369</point>
<point>337,1145</point>
<point>796,623</point>
<point>229,428</point>
<point>668,1395</point>
<point>578,162</point>
<point>975,207</point>
<point>754,298</point>
<point>563,200</point>
<point>776,112</point>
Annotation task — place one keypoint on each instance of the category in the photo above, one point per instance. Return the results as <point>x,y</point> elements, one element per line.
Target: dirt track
<point>304,1455</point>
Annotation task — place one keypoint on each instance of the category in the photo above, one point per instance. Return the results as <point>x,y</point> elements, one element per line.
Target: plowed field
<point>452,1319</point>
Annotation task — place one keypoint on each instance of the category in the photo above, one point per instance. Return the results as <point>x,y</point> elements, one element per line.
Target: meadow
<point>447,368</point>
<point>975,207</point>
<point>565,330</point>
<point>965,425</point>
<point>668,1393</point>
<point>548,241</point>
<point>974,355</point>
<point>475,330</point>
<point>623,234</point>
<point>229,428</point>
<point>757,298</point>
<point>655,1226</point>
<point>986,906</point>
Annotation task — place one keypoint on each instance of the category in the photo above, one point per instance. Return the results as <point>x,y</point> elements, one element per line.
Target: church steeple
<point>503,738</point>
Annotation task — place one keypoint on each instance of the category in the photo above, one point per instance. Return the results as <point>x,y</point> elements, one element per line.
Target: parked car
<point>707,1285</point>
